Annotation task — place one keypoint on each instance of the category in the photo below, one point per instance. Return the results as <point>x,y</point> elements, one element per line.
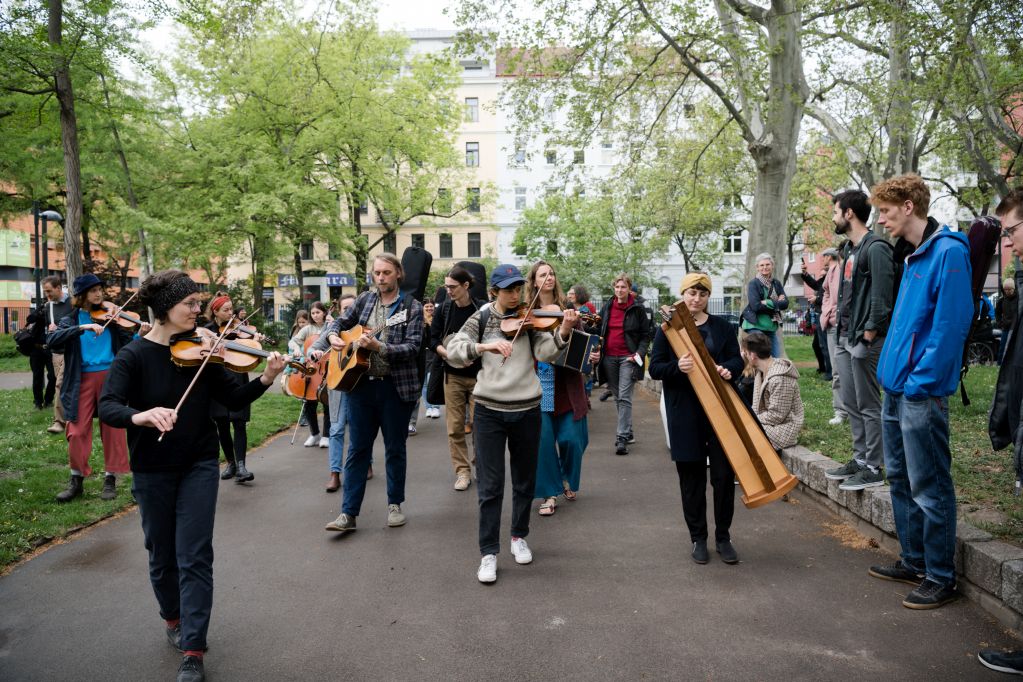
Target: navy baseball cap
<point>505,276</point>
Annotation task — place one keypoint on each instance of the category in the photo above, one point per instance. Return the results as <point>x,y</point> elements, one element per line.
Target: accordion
<point>576,354</point>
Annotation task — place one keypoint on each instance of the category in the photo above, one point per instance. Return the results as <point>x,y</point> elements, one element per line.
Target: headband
<point>695,279</point>
<point>166,298</point>
<point>219,302</point>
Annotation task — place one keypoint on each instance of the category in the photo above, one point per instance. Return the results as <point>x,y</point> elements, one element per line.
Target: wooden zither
<point>760,471</point>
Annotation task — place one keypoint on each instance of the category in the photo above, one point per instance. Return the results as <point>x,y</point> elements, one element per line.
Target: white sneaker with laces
<point>836,420</point>
<point>310,441</point>
<point>520,550</point>
<point>324,442</point>
<point>487,572</point>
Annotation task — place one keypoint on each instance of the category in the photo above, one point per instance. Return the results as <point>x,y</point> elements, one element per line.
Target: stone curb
<point>990,572</point>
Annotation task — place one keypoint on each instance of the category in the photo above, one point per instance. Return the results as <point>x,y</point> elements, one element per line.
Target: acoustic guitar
<point>346,366</point>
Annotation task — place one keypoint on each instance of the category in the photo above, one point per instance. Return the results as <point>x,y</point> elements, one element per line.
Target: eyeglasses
<point>192,305</point>
<point>1008,232</point>
<point>451,287</point>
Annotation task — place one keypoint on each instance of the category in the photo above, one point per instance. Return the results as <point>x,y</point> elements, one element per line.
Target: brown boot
<point>335,482</point>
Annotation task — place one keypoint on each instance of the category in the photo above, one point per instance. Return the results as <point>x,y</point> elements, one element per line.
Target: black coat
<point>689,429</point>
<point>218,410</point>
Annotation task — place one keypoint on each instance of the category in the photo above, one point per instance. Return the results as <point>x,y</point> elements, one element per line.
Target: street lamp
<point>58,218</point>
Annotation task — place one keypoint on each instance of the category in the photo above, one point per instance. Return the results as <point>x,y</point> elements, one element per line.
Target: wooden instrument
<point>544,318</point>
<point>346,366</point>
<point>311,385</point>
<point>240,355</point>
<point>107,312</point>
<point>760,471</point>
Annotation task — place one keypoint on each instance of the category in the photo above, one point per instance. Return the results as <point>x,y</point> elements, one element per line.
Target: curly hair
<point>900,189</point>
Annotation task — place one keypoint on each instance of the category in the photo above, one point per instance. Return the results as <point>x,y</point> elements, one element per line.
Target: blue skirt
<point>562,443</point>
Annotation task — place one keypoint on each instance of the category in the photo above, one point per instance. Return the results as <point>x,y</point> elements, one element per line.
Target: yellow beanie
<point>695,279</point>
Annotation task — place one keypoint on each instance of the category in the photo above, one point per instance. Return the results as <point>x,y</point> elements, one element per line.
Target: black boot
<point>229,471</point>
<point>109,488</point>
<point>243,475</point>
<point>73,490</point>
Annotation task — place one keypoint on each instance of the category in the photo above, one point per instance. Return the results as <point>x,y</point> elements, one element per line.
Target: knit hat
<point>695,279</point>
<point>168,296</point>
<point>85,282</point>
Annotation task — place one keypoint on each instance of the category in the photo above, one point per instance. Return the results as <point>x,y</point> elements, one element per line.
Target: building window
<point>443,200</point>
<point>364,207</point>
<point>579,156</point>
<point>811,257</point>
<point>472,154</point>
<point>390,242</point>
<point>334,251</point>
<point>306,250</point>
<point>733,242</point>
<point>520,156</point>
<point>520,198</point>
<point>607,152</point>
<point>551,157</point>
<point>472,109</point>
<point>419,240</point>
<point>475,250</point>
<point>732,298</point>
<point>472,199</point>
<point>445,246</point>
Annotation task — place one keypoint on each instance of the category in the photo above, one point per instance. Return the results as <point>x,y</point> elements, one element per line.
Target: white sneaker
<point>433,413</point>
<point>488,569</point>
<point>837,420</point>
<point>520,550</point>
<point>324,442</point>
<point>310,441</point>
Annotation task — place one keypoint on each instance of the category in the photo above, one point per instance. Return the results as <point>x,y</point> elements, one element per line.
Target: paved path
<point>612,593</point>
<point>13,380</point>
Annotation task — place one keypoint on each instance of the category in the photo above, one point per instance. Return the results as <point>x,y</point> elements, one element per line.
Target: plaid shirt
<point>401,342</point>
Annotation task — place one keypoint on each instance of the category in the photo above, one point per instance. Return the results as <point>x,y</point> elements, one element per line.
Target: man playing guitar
<point>383,398</point>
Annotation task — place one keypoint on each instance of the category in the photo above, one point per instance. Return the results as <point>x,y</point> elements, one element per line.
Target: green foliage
<point>8,349</point>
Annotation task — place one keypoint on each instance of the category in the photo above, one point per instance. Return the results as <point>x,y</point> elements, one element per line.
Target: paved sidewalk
<point>611,594</point>
<point>13,380</point>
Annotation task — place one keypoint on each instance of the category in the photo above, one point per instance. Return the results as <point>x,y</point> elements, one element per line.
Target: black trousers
<point>310,415</point>
<point>492,430</point>
<point>234,448</point>
<point>41,363</point>
<point>692,480</point>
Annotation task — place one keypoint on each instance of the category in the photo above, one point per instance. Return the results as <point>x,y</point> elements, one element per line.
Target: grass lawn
<point>983,478</point>
<point>34,468</point>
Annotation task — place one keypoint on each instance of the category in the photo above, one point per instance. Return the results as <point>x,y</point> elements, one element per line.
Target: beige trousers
<point>457,401</point>
<point>58,372</point>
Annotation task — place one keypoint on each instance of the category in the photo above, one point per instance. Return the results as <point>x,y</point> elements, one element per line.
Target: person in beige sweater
<point>776,400</point>
<point>507,397</point>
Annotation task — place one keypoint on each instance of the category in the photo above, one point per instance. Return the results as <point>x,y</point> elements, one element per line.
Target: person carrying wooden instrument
<point>507,394</point>
<point>89,347</point>
<point>692,438</point>
<point>383,398</point>
<point>296,345</point>
<point>174,452</point>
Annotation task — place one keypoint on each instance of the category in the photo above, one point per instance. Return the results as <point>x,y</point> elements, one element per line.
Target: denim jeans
<point>777,346</point>
<point>177,510</point>
<point>521,432</point>
<point>836,378</point>
<point>338,410</point>
<point>919,467</point>
<point>861,398</point>
<point>621,373</point>
<point>374,405</point>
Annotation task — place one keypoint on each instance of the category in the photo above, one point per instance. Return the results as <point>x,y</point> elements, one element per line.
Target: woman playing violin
<point>176,478</point>
<point>88,349</point>
<point>318,313</point>
<point>564,434</point>
<point>220,312</point>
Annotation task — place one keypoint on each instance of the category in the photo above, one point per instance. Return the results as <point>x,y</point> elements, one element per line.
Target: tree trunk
<point>361,252</point>
<point>900,123</point>
<point>69,141</point>
<point>300,275</point>
<point>769,222</point>
<point>86,242</point>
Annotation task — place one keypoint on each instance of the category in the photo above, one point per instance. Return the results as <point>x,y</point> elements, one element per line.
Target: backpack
<point>24,339</point>
<point>983,235</point>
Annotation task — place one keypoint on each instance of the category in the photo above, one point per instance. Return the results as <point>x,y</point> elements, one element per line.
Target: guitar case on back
<point>415,262</point>
<point>479,282</point>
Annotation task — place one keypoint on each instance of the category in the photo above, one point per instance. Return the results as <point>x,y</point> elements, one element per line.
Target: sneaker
<point>310,441</point>
<point>174,636</point>
<point>897,572</point>
<point>837,420</point>
<point>727,552</point>
<point>604,398</point>
<point>847,470</point>
<point>411,429</point>
<point>864,478</point>
<point>487,572</point>
<point>191,670</point>
<point>520,550</point>
<point>433,413</point>
<point>73,490</point>
<point>394,516</point>
<point>630,439</point>
<point>324,442</point>
<point>620,447</point>
<point>109,491</point>
<point>344,523</point>
<point>462,482</point>
<point>55,427</point>
<point>930,595</point>
<point>1010,662</point>
<point>700,554</point>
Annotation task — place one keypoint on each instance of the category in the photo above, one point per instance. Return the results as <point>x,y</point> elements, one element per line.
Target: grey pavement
<point>611,594</point>
<point>14,380</point>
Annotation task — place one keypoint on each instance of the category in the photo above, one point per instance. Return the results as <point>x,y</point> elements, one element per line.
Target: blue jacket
<point>923,352</point>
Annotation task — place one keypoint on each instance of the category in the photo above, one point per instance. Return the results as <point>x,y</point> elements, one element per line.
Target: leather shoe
<point>335,482</point>
<point>727,552</point>
<point>243,475</point>
<point>73,490</point>
<point>229,471</point>
<point>191,670</point>
<point>174,636</point>
<point>700,554</point>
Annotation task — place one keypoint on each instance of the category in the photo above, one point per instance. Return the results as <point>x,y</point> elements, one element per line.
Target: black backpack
<point>25,340</point>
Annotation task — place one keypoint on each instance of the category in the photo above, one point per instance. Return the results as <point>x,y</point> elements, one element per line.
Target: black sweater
<point>142,377</point>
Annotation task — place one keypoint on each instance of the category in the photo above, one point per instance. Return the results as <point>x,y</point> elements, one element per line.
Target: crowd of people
<point>509,394</point>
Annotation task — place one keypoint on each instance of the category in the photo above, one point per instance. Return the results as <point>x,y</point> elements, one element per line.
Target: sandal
<point>548,507</point>
<point>569,493</point>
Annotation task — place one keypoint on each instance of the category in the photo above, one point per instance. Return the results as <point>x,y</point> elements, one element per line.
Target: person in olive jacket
<point>692,438</point>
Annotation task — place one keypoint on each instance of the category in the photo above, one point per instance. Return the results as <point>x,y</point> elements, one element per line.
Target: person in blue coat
<point>692,440</point>
<point>918,369</point>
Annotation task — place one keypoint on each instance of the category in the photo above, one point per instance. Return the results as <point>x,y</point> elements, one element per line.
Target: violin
<point>108,312</point>
<point>244,331</point>
<point>544,318</point>
<point>239,355</point>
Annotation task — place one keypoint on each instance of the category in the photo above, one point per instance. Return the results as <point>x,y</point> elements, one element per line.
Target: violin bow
<point>117,310</point>
<point>188,390</point>
<point>532,303</point>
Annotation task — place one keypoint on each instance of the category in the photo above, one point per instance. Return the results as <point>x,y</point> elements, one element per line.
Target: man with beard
<point>864,312</point>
